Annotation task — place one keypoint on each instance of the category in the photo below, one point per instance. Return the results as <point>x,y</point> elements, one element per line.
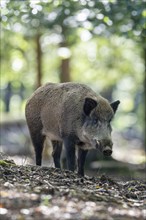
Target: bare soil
<point>32,192</point>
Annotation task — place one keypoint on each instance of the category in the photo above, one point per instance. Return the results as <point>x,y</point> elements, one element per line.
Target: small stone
<point>3,211</point>
<point>25,211</point>
<point>8,185</point>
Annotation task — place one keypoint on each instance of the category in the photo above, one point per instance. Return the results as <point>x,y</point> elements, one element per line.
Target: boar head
<point>96,129</point>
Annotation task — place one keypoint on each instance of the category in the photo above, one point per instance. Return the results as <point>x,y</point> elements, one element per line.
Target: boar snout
<point>105,146</point>
<point>107,151</point>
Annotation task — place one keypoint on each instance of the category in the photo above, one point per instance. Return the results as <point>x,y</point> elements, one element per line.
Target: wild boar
<point>73,115</point>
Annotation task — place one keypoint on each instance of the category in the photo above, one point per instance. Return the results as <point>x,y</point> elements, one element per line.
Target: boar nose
<point>107,151</point>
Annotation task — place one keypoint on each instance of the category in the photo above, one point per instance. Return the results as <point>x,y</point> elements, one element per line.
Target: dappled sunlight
<point>64,52</point>
<point>98,43</point>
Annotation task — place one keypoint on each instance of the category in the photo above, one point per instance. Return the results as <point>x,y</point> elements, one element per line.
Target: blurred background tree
<point>100,43</point>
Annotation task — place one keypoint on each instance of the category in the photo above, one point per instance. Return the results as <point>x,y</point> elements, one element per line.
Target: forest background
<point>99,43</point>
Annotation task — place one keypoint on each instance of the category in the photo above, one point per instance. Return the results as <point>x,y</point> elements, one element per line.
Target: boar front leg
<point>70,153</point>
<point>81,161</point>
<point>57,148</point>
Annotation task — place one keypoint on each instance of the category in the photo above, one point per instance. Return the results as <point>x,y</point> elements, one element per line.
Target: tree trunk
<point>65,70</point>
<point>38,62</point>
<point>144,96</point>
<point>65,66</point>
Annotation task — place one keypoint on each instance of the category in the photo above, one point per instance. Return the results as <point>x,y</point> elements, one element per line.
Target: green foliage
<point>69,22</point>
<point>65,17</point>
<point>6,163</point>
<point>108,60</point>
<point>105,40</point>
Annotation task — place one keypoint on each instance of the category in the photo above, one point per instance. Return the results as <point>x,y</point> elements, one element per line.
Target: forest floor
<point>32,192</point>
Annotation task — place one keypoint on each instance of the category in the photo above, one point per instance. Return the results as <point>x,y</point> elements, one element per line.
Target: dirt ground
<point>32,192</point>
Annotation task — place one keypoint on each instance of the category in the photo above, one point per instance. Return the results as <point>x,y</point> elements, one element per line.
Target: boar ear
<point>114,105</point>
<point>89,105</point>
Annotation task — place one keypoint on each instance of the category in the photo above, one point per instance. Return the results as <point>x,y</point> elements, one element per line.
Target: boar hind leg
<point>81,161</point>
<point>38,143</point>
<point>39,150</point>
<point>70,153</point>
<point>57,148</point>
